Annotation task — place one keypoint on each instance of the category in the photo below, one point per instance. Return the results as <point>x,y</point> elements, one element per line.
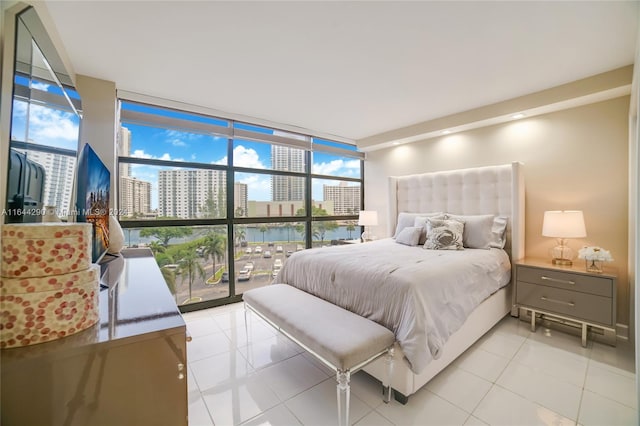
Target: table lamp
<point>367,218</point>
<point>562,225</point>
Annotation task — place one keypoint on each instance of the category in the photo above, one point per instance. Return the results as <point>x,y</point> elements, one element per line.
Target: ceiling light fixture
<point>517,116</point>
<point>446,132</point>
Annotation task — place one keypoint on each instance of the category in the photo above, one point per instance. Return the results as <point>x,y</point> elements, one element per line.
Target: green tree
<point>351,226</point>
<point>166,233</point>
<point>208,209</point>
<point>156,247</point>
<point>215,246</point>
<point>240,235</point>
<point>263,229</point>
<point>318,227</point>
<point>190,268</point>
<point>169,278</point>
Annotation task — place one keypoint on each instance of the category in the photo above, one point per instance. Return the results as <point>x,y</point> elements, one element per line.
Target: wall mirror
<point>45,122</point>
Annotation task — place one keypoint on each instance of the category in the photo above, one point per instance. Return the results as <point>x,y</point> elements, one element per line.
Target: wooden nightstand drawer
<point>583,306</point>
<point>601,286</point>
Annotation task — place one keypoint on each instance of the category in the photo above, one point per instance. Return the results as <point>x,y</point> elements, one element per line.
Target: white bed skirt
<point>481,320</point>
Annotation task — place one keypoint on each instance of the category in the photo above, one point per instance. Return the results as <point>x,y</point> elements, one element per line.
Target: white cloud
<point>337,167</point>
<point>258,186</point>
<point>244,157</point>
<point>48,126</point>
<point>139,153</point>
<point>40,86</point>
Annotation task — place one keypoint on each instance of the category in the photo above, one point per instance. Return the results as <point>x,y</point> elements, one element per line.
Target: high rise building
<point>60,177</point>
<point>346,198</point>
<point>240,199</point>
<point>135,196</point>
<point>287,188</point>
<point>189,194</point>
<point>124,149</point>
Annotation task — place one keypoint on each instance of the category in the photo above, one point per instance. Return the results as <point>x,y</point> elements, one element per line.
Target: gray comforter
<point>423,296</point>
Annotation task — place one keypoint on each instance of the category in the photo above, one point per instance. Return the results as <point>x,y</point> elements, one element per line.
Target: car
<point>248,250</point>
<point>200,251</point>
<point>289,253</point>
<point>171,267</point>
<point>258,250</point>
<point>277,264</point>
<point>248,266</point>
<point>270,244</point>
<point>267,254</point>
<point>279,249</point>
<point>275,273</point>
<point>244,275</point>
<point>225,277</point>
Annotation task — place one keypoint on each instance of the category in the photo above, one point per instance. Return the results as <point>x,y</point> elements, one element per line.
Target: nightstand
<point>568,294</point>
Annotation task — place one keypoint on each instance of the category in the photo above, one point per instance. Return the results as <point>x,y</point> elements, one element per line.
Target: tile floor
<point>509,377</point>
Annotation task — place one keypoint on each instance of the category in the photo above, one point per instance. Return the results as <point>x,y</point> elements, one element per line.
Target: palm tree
<point>170,278</point>
<point>189,268</point>
<point>215,248</point>
<point>263,229</point>
<point>241,235</point>
<point>351,226</point>
<point>156,247</point>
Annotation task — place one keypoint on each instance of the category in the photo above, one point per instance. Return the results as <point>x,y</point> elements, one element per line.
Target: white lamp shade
<point>564,224</point>
<point>368,218</point>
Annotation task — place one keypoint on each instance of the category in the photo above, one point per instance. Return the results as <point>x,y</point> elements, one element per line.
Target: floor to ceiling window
<point>222,204</point>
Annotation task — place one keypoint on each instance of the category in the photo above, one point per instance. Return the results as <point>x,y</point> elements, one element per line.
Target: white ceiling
<point>351,69</point>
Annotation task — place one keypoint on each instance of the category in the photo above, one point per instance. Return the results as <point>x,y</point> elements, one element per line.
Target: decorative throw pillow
<point>477,230</point>
<point>421,222</point>
<point>409,236</point>
<point>444,234</point>
<point>407,219</point>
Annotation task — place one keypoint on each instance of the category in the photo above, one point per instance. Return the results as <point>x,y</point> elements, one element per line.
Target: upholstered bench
<point>342,340</point>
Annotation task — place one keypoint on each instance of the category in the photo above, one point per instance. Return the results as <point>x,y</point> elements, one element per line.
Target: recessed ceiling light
<point>517,116</point>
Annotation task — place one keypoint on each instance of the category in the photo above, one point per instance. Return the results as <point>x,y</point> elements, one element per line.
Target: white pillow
<point>477,230</point>
<point>498,232</point>
<point>483,231</point>
<point>407,219</point>
<point>409,236</point>
<point>421,222</point>
<point>443,234</point>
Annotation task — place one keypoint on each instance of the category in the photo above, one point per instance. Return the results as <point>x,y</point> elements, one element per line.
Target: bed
<point>437,302</point>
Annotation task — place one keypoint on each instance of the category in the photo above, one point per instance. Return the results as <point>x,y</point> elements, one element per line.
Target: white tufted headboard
<point>495,190</point>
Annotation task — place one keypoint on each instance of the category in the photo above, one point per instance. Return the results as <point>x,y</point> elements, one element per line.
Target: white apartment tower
<point>189,194</point>
<point>60,172</point>
<point>124,150</point>
<point>240,199</point>
<point>287,188</point>
<point>346,198</point>
<point>135,196</point>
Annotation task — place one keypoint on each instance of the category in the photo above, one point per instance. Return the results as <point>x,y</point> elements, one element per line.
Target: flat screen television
<point>92,199</point>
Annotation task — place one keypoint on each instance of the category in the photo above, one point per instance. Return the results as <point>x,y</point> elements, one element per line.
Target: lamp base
<point>562,262</point>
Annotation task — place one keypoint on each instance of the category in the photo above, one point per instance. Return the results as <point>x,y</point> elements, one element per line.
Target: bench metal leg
<point>387,390</point>
<point>247,333</point>
<point>343,390</point>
